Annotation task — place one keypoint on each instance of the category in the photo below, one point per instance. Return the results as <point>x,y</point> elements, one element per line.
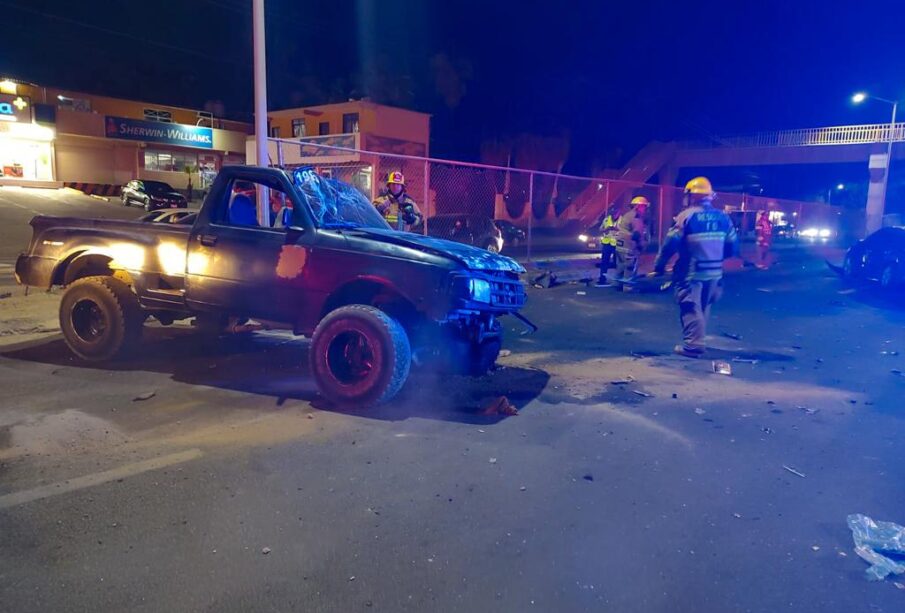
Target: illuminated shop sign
<point>156,132</point>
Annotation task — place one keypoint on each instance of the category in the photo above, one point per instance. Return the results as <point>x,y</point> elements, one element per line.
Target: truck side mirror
<point>293,233</point>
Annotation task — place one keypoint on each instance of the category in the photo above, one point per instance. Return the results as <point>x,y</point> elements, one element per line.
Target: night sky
<point>609,76</point>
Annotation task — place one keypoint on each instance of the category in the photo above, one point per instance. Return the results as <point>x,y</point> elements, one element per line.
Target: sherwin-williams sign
<point>155,132</point>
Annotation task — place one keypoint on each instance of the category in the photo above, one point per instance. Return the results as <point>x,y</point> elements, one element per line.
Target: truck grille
<point>507,294</point>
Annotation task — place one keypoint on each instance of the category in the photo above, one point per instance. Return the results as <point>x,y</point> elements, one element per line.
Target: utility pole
<point>261,150</point>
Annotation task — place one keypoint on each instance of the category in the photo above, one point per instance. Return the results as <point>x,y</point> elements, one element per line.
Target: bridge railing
<point>809,137</point>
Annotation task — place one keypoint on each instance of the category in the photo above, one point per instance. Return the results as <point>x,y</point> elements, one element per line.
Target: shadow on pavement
<point>276,365</point>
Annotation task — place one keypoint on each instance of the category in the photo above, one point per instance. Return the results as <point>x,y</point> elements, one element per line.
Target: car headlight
<point>479,290</point>
<point>583,238</point>
<point>824,233</point>
<point>809,232</point>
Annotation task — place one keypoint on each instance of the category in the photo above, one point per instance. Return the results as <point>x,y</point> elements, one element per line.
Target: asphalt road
<point>211,478</point>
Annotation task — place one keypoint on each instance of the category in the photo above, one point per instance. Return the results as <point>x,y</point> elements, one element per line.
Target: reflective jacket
<point>400,212</point>
<point>703,237</point>
<point>764,230</point>
<point>631,233</point>
<point>608,238</point>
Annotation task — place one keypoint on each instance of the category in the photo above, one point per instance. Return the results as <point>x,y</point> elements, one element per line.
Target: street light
<point>874,222</point>
<point>829,192</point>
<point>840,187</point>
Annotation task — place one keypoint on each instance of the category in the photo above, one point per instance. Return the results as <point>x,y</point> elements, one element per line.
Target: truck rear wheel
<point>100,318</point>
<point>360,356</point>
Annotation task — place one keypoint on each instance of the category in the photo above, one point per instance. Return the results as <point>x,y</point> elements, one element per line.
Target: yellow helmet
<point>700,186</point>
<point>640,200</point>
<point>396,177</point>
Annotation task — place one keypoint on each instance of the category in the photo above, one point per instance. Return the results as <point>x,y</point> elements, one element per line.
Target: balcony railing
<point>811,137</point>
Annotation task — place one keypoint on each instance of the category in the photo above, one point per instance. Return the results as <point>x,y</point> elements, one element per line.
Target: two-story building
<point>55,136</point>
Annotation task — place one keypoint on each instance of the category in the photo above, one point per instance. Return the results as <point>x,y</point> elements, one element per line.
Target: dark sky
<point>612,75</point>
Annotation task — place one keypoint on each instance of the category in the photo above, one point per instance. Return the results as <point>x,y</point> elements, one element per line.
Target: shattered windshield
<point>335,204</point>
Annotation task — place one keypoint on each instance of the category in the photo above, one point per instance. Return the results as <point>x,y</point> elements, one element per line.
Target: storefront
<point>26,148</point>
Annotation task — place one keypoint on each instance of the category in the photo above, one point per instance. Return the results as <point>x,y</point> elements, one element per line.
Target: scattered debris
<point>499,406</point>
<point>889,353</point>
<point>675,395</point>
<point>796,346</point>
<point>352,578</point>
<point>5,295</point>
<point>896,371</point>
<point>624,381</point>
<point>846,292</point>
<point>265,551</point>
<point>505,353</point>
<point>809,410</point>
<point>870,538</point>
<point>722,368</point>
<point>737,515</point>
<point>699,411</point>
<point>588,477</point>
<point>767,430</point>
<point>144,396</point>
<point>643,394</point>
<point>580,293</point>
<point>309,416</point>
<point>842,554</point>
<point>901,586</point>
<point>765,290</point>
<point>794,472</point>
<point>815,547</point>
<point>738,360</point>
<point>493,460</point>
<point>733,336</point>
<point>522,489</point>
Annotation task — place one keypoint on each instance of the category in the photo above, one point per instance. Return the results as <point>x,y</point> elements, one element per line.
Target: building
<point>353,127</point>
<point>52,136</point>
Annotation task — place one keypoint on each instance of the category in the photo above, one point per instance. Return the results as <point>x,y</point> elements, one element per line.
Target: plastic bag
<point>872,537</point>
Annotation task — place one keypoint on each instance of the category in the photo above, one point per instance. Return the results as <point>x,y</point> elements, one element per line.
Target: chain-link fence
<point>526,213</point>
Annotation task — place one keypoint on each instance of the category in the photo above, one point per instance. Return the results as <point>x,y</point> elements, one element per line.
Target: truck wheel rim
<point>350,357</point>
<point>88,321</point>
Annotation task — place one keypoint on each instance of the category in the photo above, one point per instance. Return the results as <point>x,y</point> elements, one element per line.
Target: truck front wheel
<point>360,356</point>
<point>100,318</point>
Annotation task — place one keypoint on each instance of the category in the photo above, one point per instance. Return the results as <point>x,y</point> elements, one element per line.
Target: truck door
<point>235,264</point>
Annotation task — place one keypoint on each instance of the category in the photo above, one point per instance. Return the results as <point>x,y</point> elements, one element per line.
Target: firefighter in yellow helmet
<point>396,206</point>
<point>702,237</point>
<point>632,237</point>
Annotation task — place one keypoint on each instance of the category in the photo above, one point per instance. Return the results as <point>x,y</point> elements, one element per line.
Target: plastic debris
<point>505,353</point>
<point>522,489</point>
<point>733,336</point>
<point>499,406</point>
<point>624,381</point>
<point>890,353</point>
<point>815,547</point>
<point>699,411</point>
<point>872,537</point>
<point>493,460</point>
<point>265,551</point>
<point>144,396</point>
<point>745,361</point>
<point>794,472</point>
<point>580,293</point>
<point>767,430</point>
<point>643,394</point>
<point>722,368</point>
<point>765,290</point>
<point>5,295</point>
<point>846,292</point>
<point>809,410</point>
<point>896,371</point>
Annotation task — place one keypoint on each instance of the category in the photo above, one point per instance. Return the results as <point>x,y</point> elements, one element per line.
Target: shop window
<point>323,128</point>
<point>350,123</point>
<point>158,115</point>
<point>298,128</point>
<point>274,131</point>
<point>169,161</point>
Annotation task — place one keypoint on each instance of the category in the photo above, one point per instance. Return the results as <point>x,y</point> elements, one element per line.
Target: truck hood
<point>470,257</point>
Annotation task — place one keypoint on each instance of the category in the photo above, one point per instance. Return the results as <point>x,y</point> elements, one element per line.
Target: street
<point>197,477</point>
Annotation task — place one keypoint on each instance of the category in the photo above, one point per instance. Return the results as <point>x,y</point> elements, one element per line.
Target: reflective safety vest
<point>390,208</point>
<point>608,238</point>
<point>702,236</point>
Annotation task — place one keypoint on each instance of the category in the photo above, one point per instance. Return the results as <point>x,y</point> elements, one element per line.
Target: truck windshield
<point>335,204</point>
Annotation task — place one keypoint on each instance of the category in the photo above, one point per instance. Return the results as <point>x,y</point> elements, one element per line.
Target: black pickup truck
<point>372,300</point>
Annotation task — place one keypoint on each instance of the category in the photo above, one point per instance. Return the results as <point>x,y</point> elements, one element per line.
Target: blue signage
<point>156,132</point>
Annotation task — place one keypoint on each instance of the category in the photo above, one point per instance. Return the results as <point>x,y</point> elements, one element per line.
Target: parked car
<point>152,195</point>
<point>513,236</point>
<point>880,257</point>
<point>368,297</point>
<point>469,229</point>
<point>590,238</point>
<point>180,216</point>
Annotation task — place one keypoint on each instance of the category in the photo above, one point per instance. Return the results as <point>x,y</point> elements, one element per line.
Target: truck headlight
<point>583,238</point>
<point>479,290</point>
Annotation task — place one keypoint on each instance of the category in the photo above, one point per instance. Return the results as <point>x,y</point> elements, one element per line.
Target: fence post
<point>660,218</point>
<point>530,211</point>
<point>280,153</point>
<point>427,194</point>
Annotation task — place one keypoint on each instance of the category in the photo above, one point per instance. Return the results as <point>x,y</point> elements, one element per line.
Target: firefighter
<point>702,237</point>
<point>396,206</point>
<point>607,246</point>
<point>763,229</point>
<point>631,239</point>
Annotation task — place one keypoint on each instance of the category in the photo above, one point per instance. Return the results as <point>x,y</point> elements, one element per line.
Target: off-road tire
<point>387,344</point>
<point>100,318</point>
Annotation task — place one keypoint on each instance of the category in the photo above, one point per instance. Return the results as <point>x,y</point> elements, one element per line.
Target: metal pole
<point>530,210</point>
<point>660,219</point>
<point>892,129</point>
<point>427,194</point>
<point>260,67</point>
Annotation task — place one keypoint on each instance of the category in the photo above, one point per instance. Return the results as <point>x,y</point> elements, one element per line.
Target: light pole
<point>874,222</point>
<point>829,193</point>
<point>261,150</point>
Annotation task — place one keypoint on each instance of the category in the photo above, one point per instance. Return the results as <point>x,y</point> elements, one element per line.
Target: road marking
<point>16,204</point>
<point>128,470</point>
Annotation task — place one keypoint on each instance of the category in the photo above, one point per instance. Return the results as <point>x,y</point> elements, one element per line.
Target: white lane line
<point>16,204</point>
<point>71,485</point>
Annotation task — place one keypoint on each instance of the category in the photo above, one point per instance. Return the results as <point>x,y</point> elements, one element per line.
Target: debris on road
<point>588,477</point>
<point>767,430</point>
<point>624,381</point>
<point>737,515</point>
<point>889,353</point>
<point>643,394</point>
<point>522,489</point>
<point>765,290</point>
<point>745,361</point>
<point>846,292</point>
<point>505,353</point>
<point>809,410</point>
<point>733,336</point>
<point>144,396</point>
<point>898,372</point>
<point>722,368</point>
<point>815,547</point>
<point>870,538</point>
<point>579,293</point>
<point>493,460</point>
<point>5,295</point>
<point>797,473</point>
<point>265,551</point>
<point>499,406</point>
<point>699,411</point>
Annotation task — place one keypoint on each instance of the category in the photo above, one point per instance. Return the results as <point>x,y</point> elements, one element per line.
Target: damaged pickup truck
<point>371,299</point>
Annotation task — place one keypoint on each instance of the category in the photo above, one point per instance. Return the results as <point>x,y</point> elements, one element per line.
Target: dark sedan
<point>152,195</point>
<point>880,257</point>
<point>513,236</point>
<point>184,217</point>
<point>473,230</point>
